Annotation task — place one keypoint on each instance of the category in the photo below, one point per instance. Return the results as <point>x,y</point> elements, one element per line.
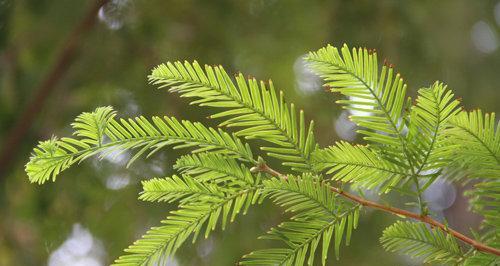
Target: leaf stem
<point>263,167</point>
<point>421,203</point>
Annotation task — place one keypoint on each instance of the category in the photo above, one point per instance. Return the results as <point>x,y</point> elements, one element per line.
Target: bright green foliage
<point>478,139</point>
<point>417,240</point>
<point>319,216</point>
<point>396,156</point>
<point>253,107</point>
<point>100,134</point>
<point>408,147</point>
<point>177,188</point>
<point>428,118</point>
<point>485,199</point>
<point>360,165</point>
<point>491,238</point>
<point>198,213</point>
<point>209,167</point>
<point>379,98</point>
<point>53,156</point>
<point>483,259</point>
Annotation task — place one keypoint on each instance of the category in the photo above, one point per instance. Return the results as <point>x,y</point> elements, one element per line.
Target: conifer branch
<point>406,144</point>
<point>263,167</point>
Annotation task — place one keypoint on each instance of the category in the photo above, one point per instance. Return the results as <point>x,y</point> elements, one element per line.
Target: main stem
<point>262,167</point>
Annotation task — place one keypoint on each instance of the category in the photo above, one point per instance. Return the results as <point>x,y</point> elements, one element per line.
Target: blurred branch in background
<point>63,62</point>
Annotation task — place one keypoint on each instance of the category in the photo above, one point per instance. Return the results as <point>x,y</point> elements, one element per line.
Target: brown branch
<point>262,167</point>
<point>41,93</point>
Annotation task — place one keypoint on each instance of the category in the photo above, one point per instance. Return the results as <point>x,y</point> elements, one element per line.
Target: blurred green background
<point>92,213</point>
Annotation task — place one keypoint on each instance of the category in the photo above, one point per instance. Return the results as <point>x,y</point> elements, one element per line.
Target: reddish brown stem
<point>396,211</point>
<point>423,218</point>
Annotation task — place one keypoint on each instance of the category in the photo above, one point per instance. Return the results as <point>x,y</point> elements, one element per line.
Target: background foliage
<point>453,41</point>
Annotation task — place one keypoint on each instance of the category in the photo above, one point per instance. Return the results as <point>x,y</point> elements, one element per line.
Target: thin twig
<point>262,167</point>
<point>41,93</point>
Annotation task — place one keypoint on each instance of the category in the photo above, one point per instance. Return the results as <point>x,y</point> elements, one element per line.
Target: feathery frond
<point>483,259</point>
<point>485,200</point>
<point>177,188</point>
<point>319,216</point>
<point>378,98</point>
<point>417,240</point>
<point>475,257</point>
<point>190,219</point>
<point>478,137</point>
<point>210,167</point>
<point>100,134</point>
<point>215,182</point>
<point>90,126</point>
<point>476,151</point>
<point>428,119</point>
<point>252,107</point>
<point>360,165</point>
